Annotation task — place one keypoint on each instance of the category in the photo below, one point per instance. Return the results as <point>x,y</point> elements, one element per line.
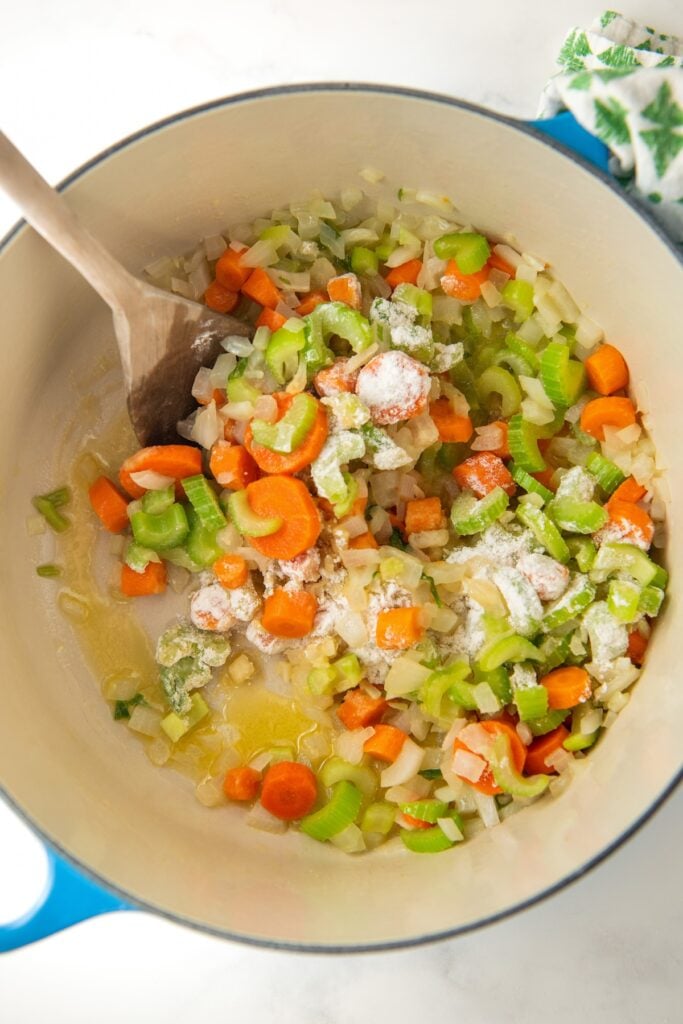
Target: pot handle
<point>69,897</point>
<point>566,129</point>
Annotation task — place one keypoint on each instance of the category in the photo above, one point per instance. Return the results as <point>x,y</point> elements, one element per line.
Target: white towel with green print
<point>624,83</point>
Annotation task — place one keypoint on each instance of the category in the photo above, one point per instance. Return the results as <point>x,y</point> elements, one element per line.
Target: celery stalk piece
<point>531,702</point>
<point>529,483</point>
<point>336,318</point>
<point>625,558</point>
<point>563,379</point>
<point>341,810</point>
<point>158,501</point>
<point>239,389</point>
<point>348,672</point>
<point>379,817</point>
<point>514,362</point>
<point>583,551</point>
<point>499,681</point>
<point>343,507</point>
<point>469,250</point>
<point>321,680</point>
<point>204,501</point>
<point>507,776</point>
<point>336,769</point>
<point>201,544</point>
<point>470,516</point>
<point>608,475</point>
<point>364,262</point>
<point>577,516</point>
<point>176,726</point>
<point>246,520</point>
<point>138,558</point>
<point>544,530</point>
<point>290,432</point>
<point>577,597</point>
<point>420,299</point>
<point>426,810</point>
<point>48,571</point>
<point>577,741</point>
<point>519,296</point>
<point>509,648</point>
<point>447,680</point>
<point>498,381</point>
<point>651,599</point>
<point>50,513</point>
<point>546,723</point>
<point>623,599</point>
<point>524,350</point>
<point>523,444</point>
<point>159,532</point>
<point>554,651</point>
<point>426,840</point>
<point>282,353</point>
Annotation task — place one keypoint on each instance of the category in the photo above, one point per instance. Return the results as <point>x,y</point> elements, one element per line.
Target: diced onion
<point>151,481</point>
<point>407,764</point>
<point>508,254</point>
<point>183,288</point>
<point>200,278</point>
<point>262,254</point>
<point>361,358</point>
<point>222,369</point>
<point>450,829</point>
<point>468,765</point>
<point>160,268</point>
<point>349,744</point>
<point>258,817</point>
<point>238,345</point>
<point>524,732</point>
<point>476,738</point>
<point>371,175</point>
<point>428,539</point>
<point>240,411</point>
<point>349,840</point>
<point>144,720</point>
<point>488,438</point>
<point>487,702</point>
<point>202,388</point>
<point>490,294</point>
<point>207,427</point>
<point>486,806</point>
<point>587,332</point>
<point>560,759</point>
<point>351,628</point>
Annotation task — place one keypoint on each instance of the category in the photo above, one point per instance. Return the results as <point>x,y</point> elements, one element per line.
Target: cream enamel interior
<point>87,783</point>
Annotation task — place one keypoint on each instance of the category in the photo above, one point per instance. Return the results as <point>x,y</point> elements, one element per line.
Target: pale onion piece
<point>428,539</point>
<point>121,686</point>
<point>487,702</point>
<point>573,413</point>
<point>550,326</point>
<point>237,345</point>
<point>561,760</point>
<point>412,567</point>
<point>200,278</point>
<point>151,481</point>
<point>403,253</point>
<point>488,811</point>
<point>618,702</point>
<point>349,744</point>
<point>352,629</point>
<point>229,538</point>
<point>75,607</point>
<point>214,246</point>
<point>443,620</point>
<point>355,526</point>
<point>444,793</point>
<point>36,526</point>
<point>534,261</point>
<point>298,382</point>
<point>322,271</point>
<point>207,427</point>
<point>372,691</point>
<point>178,578</point>
<point>591,721</point>
<point>405,676</point>
<point>183,288</point>
<point>358,236</point>
<point>476,738</point>
<point>289,280</point>
<point>239,411</point>
<point>361,358</point>
<point>350,197</point>
<point>486,594</point>
<point>413,789</point>
<point>430,275</point>
<point>488,438</point>
<point>193,261</point>
<point>210,793</point>
<point>569,311</point>
<point>535,413</point>
<point>160,268</point>
<point>432,756</point>
<point>265,408</point>
<point>587,332</point>
<point>530,331</point>
<point>258,817</point>
<point>468,765</point>
<point>508,254</point>
<point>446,309</point>
<point>447,572</point>
<point>261,254</point>
<point>490,294</point>
<point>499,278</point>
<point>629,435</point>
<point>408,487</point>
<point>349,840</point>
<point>202,388</point>
<point>457,725</point>
<point>254,557</point>
<point>145,720</point>
<point>158,751</point>
<point>535,390</point>
<point>221,370</point>
<point>240,235</point>
<point>526,273</point>
<point>371,175</point>
<point>424,431</point>
<point>378,286</point>
<point>356,559</point>
<point>406,765</point>
<point>450,829</point>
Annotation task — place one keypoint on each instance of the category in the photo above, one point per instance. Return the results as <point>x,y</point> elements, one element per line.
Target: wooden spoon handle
<point>45,209</point>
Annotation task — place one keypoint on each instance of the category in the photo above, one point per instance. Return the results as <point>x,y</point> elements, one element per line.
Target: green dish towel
<point>624,83</point>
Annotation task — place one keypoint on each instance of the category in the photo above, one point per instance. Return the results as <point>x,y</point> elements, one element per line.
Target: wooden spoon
<point>163,339</point>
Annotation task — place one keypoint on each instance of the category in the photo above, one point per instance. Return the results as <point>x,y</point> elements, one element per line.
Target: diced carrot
<point>424,514</point>
<point>271,319</point>
<point>386,743</point>
<point>221,299</point>
<point>398,524</point>
<point>345,288</point>
<point>633,524</point>
<point>607,412</point>
<point>630,490</point>
<point>503,449</point>
<point>289,613</point>
<point>231,571</point>
<point>606,370</point>
<point>497,262</point>
<point>241,783</point>
<point>399,628</point>
<point>464,287</point>
<point>394,387</point>
<point>289,790</point>
<point>290,500</point>
<point>486,783</point>
<point>232,466</point>
<point>567,687</point>
<point>309,302</point>
<point>362,541</point>
<point>405,273</point>
<point>450,425</point>
<point>229,270</point>
<point>541,748</point>
<point>173,460</point>
<point>142,584</point>
<point>637,646</point>
<point>335,378</point>
<point>359,710</point>
<point>292,462</point>
<point>262,289</point>
<point>482,472</point>
<point>110,507</point>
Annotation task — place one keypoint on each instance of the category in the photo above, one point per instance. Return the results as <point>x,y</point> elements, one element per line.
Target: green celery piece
<point>201,544</point>
<point>469,250</point>
<point>290,432</point>
<point>554,651</point>
<point>238,388</point>
<point>155,502</point>
<point>426,810</point>
<point>162,531</point>
<point>523,444</point>
<point>426,840</point>
<point>281,752</point>
<point>180,557</point>
<point>650,602</point>
<point>326,471</point>
<point>59,497</point>
<point>524,350</point>
<point>498,381</point>
<point>608,475</point>
<point>563,379</point>
<point>48,570</point>
<point>509,648</point>
<point>546,723</point>
<point>203,499</point>
<point>138,558</point>
<point>578,741</point>
<point>420,299</point>
<point>583,551</point>
<point>346,323</point>
<point>348,672</point>
<point>282,353</point>
<point>341,810</point>
<point>544,530</point>
<point>615,557</point>
<point>50,513</point>
<point>279,235</point>
<point>246,520</point>
<point>577,516</point>
<point>507,776</point>
<point>343,507</point>
<point>519,296</point>
<point>531,702</point>
<point>379,817</point>
<point>176,726</point>
<point>623,599</point>
<point>321,680</point>
<point>547,430</point>
<point>517,364</point>
<point>470,516</point>
<point>336,769</point>
<point>364,261</point>
<point>577,597</point>
<point>447,680</point>
<point>499,681</point>
<point>529,483</point>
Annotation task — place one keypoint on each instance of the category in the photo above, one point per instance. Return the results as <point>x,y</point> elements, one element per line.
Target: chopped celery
<point>519,296</point>
<point>180,557</point>
<point>379,817</point>
<point>514,362</point>
<point>469,250</point>
<point>59,497</point>
<point>623,599</point>
<point>338,770</point>
<point>521,348</point>
<point>583,551</point>
<point>341,810</point>
<point>554,651</point>
<point>577,597</point>
<point>364,261</point>
<point>624,558</point>
<point>650,601</point>
<point>546,723</point>
<point>414,296</point>
<point>523,444</point>
<point>201,544</point>
<point>203,499</point>
<point>122,707</point>
<point>529,483</point>
<point>498,381</point>
<point>531,702</point>
<point>343,507</point>
<point>239,389</point>
<point>282,353</point>
<point>470,516</point>
<point>563,379</point>
<point>138,558</point>
<point>246,520</point>
<point>499,681</point>
<point>660,578</point>
<point>577,741</point>
<point>176,726</point>
<point>577,516</point>
<point>508,648</point>
<point>382,450</point>
<point>608,475</point>
<point>426,840</point>
<point>49,511</point>
<point>348,671</point>
<point>426,810</point>
<point>158,501</point>
<point>321,680</point>
<point>162,531</point>
<point>289,432</point>
<point>346,323</point>
<point>391,568</point>
<point>544,530</point>
<point>326,471</point>
<point>507,776</point>
<point>447,680</point>
<point>279,235</point>
<point>281,752</point>
<point>48,571</point>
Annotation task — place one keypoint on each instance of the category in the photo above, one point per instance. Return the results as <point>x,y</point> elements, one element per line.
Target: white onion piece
<point>486,806</point>
<point>508,254</point>
<point>160,268</point>
<point>183,288</point>
<point>258,817</point>
<point>202,388</point>
<point>468,766</point>
<point>456,728</point>
<point>355,526</point>
<point>238,345</point>
<point>207,427</point>
<point>200,278</point>
<point>261,760</point>
<point>490,294</point>
<point>261,254</point>
<point>265,408</point>
<point>240,411</point>
<point>587,332</point>
<point>351,628</point>
<point>590,722</point>
<point>349,840</point>
<point>487,702</point>
<point>476,738</point>
<point>488,439</point>
<point>144,720</point>
<point>349,744</point>
<point>214,246</point>
<point>151,481</point>
<point>450,829</point>
<point>524,732</point>
<point>222,369</point>
<point>407,764</point>
<point>560,759</point>
<point>428,539</point>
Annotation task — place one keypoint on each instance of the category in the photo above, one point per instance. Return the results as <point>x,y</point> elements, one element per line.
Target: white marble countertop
<point>76,76</point>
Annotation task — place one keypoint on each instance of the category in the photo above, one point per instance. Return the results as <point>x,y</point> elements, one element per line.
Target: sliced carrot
<point>229,271</point>
<point>293,462</point>
<point>632,523</point>
<point>271,319</point>
<point>503,449</point>
<point>497,262</point>
<point>110,507</point>
<point>424,514</point>
<point>289,499</point>
<point>405,273</point>
<point>607,412</point>
<point>345,288</point>
<point>362,541</point>
<point>483,472</point>
<point>359,709</point>
<point>567,687</point>
<point>142,584</point>
<point>465,287</point>
<point>399,628</point>
<point>606,370</point>
<point>486,783</point>
<point>173,460</point>
<point>386,743</point>
<point>541,748</point>
<point>451,426</point>
<point>630,490</point>
<point>335,378</point>
<point>309,302</point>
<point>219,298</point>
<point>232,466</point>
<point>242,783</point>
<point>289,790</point>
<point>262,289</point>
<point>289,613</point>
<point>637,645</point>
<point>231,571</point>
